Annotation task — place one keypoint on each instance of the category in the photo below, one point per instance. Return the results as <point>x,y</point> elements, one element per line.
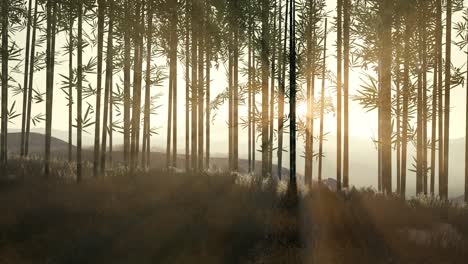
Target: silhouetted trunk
<point>292,96</point>
<point>51,30</point>
<point>339,56</point>
<point>346,62</point>
<point>194,102</point>
<point>424,102</point>
<point>97,124</point>
<point>309,80</point>
<point>440,96</point>
<point>174,44</point>
<point>265,44</point>
<point>70,83</point>
<point>322,102</point>
<point>272,92</point>
<point>146,121</point>
<point>4,129</point>
<point>235,163</point>
<point>137,74</point>
<point>249,95</point>
<point>448,82</point>
<point>386,95</point>
<point>466,141</point>
<point>406,94</point>
<point>25,79</point>
<point>30,84</point>
<point>208,85</point>
<point>200,98</point>
<point>187,87</point>
<point>398,105</point>
<point>79,90</point>
<point>127,47</point>
<point>281,93</point>
<point>107,93</point>
<point>434,119</point>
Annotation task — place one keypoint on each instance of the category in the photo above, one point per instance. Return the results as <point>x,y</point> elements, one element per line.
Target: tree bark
<point>25,79</point>
<point>97,124</point>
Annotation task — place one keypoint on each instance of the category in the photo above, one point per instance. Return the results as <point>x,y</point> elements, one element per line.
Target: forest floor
<point>164,217</point>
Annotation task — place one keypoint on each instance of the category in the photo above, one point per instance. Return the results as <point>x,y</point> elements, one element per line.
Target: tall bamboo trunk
<point>272,92</point>
<point>208,85</point>
<point>127,107</point>
<point>406,94</point>
<point>187,87</point>
<point>265,71</point>
<point>30,84</point>
<point>194,101</point>
<point>174,45</point>
<point>448,81</point>
<point>346,64</point>
<point>146,121</point>
<point>235,163</point>
<point>292,97</point>
<point>201,86</point>
<point>97,124</point>
<point>434,121</point>
<point>440,96</point>
<point>322,102</point>
<point>308,136</point>
<point>386,96</point>
<point>25,79</point>
<point>466,138</point>
<point>249,97</point>
<point>4,128</point>
<point>50,81</point>
<point>398,106</point>
<point>281,93</point>
<point>79,90</point>
<point>339,56</point>
<point>107,94</point>
<point>424,103</point>
<point>70,84</point>
<point>137,68</point>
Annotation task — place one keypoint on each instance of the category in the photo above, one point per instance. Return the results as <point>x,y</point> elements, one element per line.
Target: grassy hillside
<point>162,217</point>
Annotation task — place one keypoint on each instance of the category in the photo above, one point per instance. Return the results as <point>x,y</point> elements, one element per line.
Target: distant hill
<point>36,144</point>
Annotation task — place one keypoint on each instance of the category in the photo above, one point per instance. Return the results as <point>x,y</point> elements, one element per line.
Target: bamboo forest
<point>234,131</point>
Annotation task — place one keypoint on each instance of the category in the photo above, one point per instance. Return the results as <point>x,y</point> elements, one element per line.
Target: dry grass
<point>163,217</point>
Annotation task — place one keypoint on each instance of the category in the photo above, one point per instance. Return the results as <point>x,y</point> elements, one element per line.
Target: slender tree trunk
<point>440,96</point>
<point>51,12</point>
<point>308,74</point>
<point>70,84</point>
<point>194,103</point>
<point>424,102</point>
<point>146,122</point>
<point>208,84</point>
<point>398,106</point>
<point>187,87</point>
<point>254,108</point>
<point>107,94</point>
<point>292,97</point>
<point>169,118</point>
<point>127,47</point>
<point>281,93</point>
<point>137,68</point>
<point>434,122</point>
<point>346,64</point>
<point>466,138</point>
<point>448,81</point>
<point>236,99</point>
<point>406,94</point>
<point>4,129</point>
<point>175,43</point>
<point>249,95</point>
<point>265,44</point>
<point>322,102</point>
<point>272,92</point>
<point>386,96</point>
<point>30,80</point>
<point>201,86</point>
<point>339,56</point>
<point>97,124</point>
<point>79,89</point>
<point>25,80</point>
